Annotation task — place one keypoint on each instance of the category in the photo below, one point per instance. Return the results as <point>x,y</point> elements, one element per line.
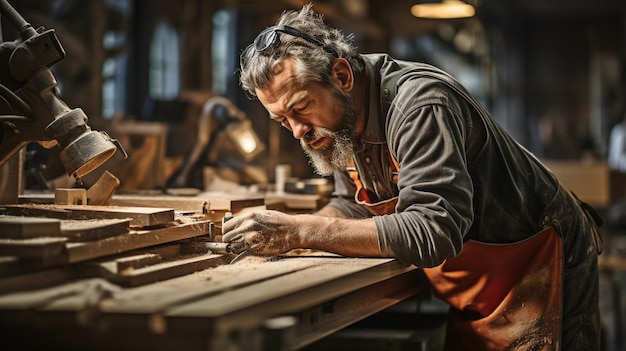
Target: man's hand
<point>273,233</point>
<point>263,232</point>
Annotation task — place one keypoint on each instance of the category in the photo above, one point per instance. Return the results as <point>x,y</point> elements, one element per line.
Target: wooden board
<point>205,202</point>
<point>140,216</point>
<point>36,280</point>
<point>135,239</point>
<point>35,248</point>
<point>322,294</point>
<point>200,203</point>
<point>94,229</point>
<point>137,276</point>
<point>20,227</point>
<point>295,202</point>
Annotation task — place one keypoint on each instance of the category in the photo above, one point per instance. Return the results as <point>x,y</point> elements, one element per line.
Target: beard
<point>337,154</point>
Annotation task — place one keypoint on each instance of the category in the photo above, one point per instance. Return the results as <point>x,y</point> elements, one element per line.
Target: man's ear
<point>342,74</point>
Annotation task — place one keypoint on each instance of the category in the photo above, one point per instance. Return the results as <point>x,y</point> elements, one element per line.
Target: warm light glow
<point>443,9</point>
<point>247,142</point>
<point>245,139</point>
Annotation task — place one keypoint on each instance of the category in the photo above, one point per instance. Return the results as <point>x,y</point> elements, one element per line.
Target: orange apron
<point>504,296</point>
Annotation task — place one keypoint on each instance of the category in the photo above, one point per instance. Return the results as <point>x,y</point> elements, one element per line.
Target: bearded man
<point>424,174</point>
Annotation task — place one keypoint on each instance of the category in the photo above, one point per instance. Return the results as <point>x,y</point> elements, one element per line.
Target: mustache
<point>317,133</point>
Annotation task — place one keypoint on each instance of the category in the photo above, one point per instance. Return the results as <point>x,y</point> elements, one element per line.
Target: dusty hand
<point>263,232</point>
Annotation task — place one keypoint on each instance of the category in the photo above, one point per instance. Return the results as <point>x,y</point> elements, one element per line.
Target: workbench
<point>258,303</point>
<point>156,284</point>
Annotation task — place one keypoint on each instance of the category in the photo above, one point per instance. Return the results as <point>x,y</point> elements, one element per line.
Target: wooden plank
<point>130,263</point>
<point>13,265</point>
<point>200,203</point>
<point>296,201</point>
<point>326,269</point>
<point>36,280</point>
<point>141,216</point>
<point>145,300</point>
<point>94,229</point>
<point>32,299</point>
<point>135,239</point>
<point>20,227</point>
<point>285,295</point>
<point>250,291</point>
<point>132,277</point>
<point>37,248</point>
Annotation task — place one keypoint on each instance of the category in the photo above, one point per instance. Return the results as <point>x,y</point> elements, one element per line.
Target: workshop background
<point>551,72</point>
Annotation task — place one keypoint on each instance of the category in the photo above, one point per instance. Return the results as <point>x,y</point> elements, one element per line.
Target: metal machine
<point>32,111</point>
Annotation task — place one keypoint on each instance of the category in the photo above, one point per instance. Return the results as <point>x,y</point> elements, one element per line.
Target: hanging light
<point>443,9</point>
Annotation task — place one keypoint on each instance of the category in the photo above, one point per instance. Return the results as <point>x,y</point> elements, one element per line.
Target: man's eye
<point>278,119</point>
<point>303,107</point>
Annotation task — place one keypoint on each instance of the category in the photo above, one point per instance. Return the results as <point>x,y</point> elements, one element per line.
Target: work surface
<point>143,278</point>
<point>254,304</point>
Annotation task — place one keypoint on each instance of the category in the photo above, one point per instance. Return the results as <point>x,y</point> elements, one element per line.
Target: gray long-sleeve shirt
<point>461,175</point>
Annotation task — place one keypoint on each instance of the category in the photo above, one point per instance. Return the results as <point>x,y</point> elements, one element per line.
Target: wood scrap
<point>141,216</point>
<point>101,192</point>
<point>20,227</point>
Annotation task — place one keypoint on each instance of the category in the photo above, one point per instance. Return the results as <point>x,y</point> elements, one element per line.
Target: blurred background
<point>549,71</point>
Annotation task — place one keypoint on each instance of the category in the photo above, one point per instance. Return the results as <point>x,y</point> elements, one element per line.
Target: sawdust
<point>226,276</point>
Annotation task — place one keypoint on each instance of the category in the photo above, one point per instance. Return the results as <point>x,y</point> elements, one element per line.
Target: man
<point>424,174</point>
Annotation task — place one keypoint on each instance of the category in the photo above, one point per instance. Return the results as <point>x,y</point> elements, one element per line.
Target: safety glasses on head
<point>270,37</point>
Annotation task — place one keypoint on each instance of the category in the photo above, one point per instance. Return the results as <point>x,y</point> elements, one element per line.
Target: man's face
<point>322,119</point>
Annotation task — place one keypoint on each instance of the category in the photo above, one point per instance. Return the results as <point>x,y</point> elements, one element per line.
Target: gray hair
<point>312,62</point>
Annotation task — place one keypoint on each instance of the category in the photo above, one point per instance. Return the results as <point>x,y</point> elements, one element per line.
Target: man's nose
<point>299,129</point>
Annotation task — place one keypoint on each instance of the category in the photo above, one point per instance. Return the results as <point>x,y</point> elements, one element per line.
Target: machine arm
<point>30,107</point>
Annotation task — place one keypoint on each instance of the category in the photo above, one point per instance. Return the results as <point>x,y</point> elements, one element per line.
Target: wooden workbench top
<point>213,303</point>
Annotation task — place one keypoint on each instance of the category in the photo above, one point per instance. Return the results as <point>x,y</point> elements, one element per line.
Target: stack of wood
<point>43,244</point>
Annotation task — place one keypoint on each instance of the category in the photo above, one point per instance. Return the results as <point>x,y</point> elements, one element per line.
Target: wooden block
<point>19,227</point>
<point>101,192</point>
<point>66,196</point>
